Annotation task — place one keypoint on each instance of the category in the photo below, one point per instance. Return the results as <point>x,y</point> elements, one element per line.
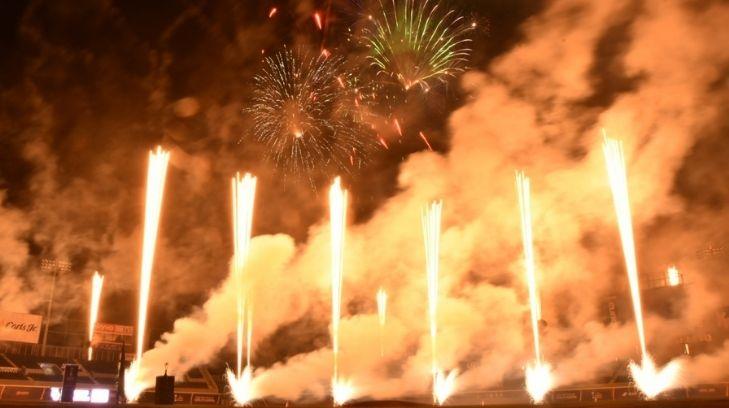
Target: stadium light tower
<point>52,266</point>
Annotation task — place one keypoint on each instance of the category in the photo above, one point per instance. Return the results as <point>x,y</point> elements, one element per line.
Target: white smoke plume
<point>537,109</point>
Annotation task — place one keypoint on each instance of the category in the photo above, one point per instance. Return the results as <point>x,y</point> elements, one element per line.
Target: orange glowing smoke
<point>97,283</point>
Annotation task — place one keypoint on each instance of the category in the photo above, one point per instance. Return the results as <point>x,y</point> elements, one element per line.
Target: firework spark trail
<point>156,175</point>
<point>382,315</point>
<point>538,377</point>
<point>443,384</point>
<point>341,389</point>
<point>243,197</point>
<point>416,42</point>
<point>317,21</point>
<point>425,139</point>
<point>97,283</point>
<point>648,379</point>
<point>397,127</point>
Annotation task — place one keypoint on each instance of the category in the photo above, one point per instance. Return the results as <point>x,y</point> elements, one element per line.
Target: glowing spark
<point>443,384</point>
<point>538,381</point>
<point>417,42</point>
<point>382,142</point>
<point>673,276</point>
<point>397,127</point>
<point>326,54</point>
<point>243,197</point>
<point>382,315</point>
<point>648,380</point>
<point>317,20</point>
<point>651,381</point>
<point>97,282</point>
<point>425,139</point>
<point>341,389</point>
<point>136,380</point>
<point>273,12</point>
<point>241,386</point>
<point>156,175</point>
<point>538,376</point>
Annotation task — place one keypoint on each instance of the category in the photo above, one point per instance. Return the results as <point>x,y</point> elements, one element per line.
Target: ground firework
<point>304,110</point>
<point>417,43</point>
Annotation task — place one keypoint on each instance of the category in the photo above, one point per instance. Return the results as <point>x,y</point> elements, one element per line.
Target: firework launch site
<point>364,203</point>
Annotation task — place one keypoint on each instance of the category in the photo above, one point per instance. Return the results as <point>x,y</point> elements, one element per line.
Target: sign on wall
<point>20,327</point>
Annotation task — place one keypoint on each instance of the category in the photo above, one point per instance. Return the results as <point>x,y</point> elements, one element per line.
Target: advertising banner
<point>20,327</point>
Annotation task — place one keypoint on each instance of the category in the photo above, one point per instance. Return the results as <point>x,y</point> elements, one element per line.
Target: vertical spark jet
<point>538,376</point>
<point>243,197</point>
<point>382,316</point>
<point>97,282</point>
<point>648,379</point>
<point>443,384</point>
<point>342,390</point>
<point>156,176</point>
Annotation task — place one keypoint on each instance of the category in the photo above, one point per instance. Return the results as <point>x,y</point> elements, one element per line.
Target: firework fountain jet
<point>443,383</point>
<point>342,390</point>
<point>382,316</point>
<point>244,191</point>
<point>538,376</point>
<point>649,380</point>
<point>97,282</point>
<point>156,175</point>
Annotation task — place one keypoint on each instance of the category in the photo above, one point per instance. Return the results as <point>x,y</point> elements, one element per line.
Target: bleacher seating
<point>10,375</point>
<point>102,367</point>
<point>190,384</point>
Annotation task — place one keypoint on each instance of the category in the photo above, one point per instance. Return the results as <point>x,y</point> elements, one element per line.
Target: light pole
<point>54,266</point>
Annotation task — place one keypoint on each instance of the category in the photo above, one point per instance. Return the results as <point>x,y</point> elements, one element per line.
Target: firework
<point>97,282</point>
<point>425,140</point>
<point>303,111</point>
<point>156,175</point>
<point>342,390</point>
<point>443,383</point>
<point>538,376</point>
<point>673,276</point>
<point>649,381</point>
<point>417,43</point>
<point>382,315</point>
<point>244,190</point>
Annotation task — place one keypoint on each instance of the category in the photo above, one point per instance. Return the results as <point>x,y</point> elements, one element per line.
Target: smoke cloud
<point>652,74</point>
